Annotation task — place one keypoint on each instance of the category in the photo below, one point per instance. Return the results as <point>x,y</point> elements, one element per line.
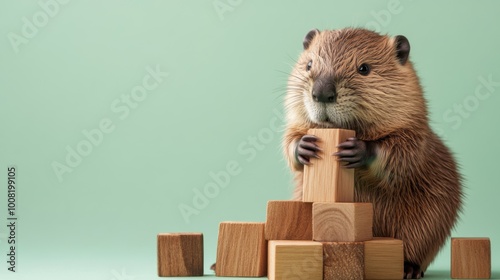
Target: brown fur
<point>413,181</point>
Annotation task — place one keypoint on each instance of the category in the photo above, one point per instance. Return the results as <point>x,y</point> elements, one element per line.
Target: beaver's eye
<point>309,65</point>
<point>364,69</point>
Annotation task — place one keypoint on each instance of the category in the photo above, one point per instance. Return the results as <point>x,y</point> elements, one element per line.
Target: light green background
<point>227,77</point>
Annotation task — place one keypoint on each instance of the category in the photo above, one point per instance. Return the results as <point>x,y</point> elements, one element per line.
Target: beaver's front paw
<point>306,149</point>
<point>355,152</point>
<point>412,271</point>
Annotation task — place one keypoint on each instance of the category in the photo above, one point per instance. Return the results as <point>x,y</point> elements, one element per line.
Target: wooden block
<point>342,222</point>
<point>470,258</point>
<point>343,260</point>
<point>289,220</point>
<point>180,254</point>
<point>241,250</point>
<point>295,260</point>
<point>325,180</point>
<point>384,258</point>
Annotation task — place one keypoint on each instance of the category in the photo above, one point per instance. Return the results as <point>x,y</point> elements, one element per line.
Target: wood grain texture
<point>289,220</point>
<point>384,258</point>
<point>324,179</point>
<point>241,250</point>
<point>343,260</point>
<point>295,260</point>
<point>470,258</point>
<point>342,222</point>
<point>180,254</point>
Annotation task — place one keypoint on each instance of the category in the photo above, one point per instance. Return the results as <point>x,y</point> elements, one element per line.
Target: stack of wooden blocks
<point>325,236</point>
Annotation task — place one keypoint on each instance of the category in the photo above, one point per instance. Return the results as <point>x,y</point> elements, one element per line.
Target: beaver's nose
<point>324,92</point>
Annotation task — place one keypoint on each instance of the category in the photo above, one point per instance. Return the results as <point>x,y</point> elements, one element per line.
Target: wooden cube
<point>325,180</point>
<point>241,250</point>
<point>295,260</point>
<point>289,220</point>
<point>384,258</point>
<point>343,260</point>
<point>342,222</point>
<point>470,258</point>
<point>180,254</point>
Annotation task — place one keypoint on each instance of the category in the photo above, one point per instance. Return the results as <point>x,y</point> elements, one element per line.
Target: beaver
<point>360,80</point>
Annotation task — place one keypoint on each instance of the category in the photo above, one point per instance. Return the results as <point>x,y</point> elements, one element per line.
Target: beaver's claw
<point>412,271</point>
<point>354,152</point>
<point>306,149</point>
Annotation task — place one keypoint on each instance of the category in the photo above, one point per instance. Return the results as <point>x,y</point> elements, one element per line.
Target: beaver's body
<point>357,79</point>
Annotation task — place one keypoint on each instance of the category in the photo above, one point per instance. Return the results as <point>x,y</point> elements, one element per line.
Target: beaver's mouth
<point>329,124</point>
<point>322,114</point>
<point>330,119</point>
<point>326,122</point>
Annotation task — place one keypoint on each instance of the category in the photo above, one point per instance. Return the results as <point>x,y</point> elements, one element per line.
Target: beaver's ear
<point>310,35</point>
<point>402,48</point>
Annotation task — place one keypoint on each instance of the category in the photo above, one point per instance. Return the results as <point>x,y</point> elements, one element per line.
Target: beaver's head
<point>355,79</point>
